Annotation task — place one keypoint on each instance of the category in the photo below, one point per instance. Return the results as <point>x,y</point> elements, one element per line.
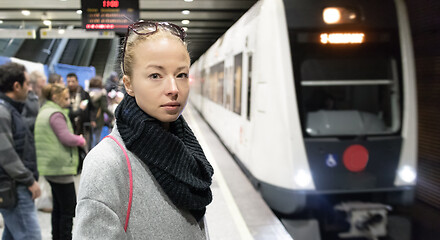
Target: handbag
<point>8,193</point>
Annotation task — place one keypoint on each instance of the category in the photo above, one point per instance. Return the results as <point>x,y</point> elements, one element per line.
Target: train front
<point>355,86</point>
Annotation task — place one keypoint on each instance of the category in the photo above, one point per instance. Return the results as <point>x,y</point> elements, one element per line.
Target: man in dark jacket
<point>80,107</point>
<point>17,155</point>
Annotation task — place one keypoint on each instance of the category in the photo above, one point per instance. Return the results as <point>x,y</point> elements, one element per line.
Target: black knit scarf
<point>174,157</point>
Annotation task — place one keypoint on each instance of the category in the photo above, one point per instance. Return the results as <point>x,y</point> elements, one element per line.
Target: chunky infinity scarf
<point>174,157</point>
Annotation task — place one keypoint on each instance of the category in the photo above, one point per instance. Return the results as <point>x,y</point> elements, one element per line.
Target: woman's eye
<point>154,76</point>
<point>182,75</point>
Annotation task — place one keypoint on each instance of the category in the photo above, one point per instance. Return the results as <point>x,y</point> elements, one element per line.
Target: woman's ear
<point>128,86</point>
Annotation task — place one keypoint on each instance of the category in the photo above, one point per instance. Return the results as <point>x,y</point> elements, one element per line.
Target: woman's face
<point>160,81</point>
<point>62,99</point>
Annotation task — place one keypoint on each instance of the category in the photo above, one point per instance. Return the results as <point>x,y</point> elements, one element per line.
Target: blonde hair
<point>134,39</point>
<point>53,91</point>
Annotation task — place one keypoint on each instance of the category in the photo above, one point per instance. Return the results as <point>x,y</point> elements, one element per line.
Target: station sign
<point>17,33</point>
<point>113,15</point>
<point>74,33</point>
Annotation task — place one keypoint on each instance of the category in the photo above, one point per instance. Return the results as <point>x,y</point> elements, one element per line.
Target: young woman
<point>57,156</point>
<point>171,177</point>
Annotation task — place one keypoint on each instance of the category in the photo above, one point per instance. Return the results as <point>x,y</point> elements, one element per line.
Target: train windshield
<point>348,89</point>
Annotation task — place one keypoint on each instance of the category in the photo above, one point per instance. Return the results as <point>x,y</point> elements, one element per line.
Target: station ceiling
<point>209,19</point>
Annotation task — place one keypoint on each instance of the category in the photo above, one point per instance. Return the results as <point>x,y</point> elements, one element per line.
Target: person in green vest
<point>57,156</point>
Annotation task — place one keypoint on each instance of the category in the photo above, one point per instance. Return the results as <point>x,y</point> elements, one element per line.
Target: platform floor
<point>237,211</point>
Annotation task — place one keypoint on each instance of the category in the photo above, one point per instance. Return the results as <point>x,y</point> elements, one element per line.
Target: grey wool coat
<point>103,200</point>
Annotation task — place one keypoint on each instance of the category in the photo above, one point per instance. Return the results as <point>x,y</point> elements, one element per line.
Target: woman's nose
<point>172,88</point>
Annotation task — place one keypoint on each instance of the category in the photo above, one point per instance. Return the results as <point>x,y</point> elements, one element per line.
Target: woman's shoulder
<point>104,171</point>
<point>106,156</point>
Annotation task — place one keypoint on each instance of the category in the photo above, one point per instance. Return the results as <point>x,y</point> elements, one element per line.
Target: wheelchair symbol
<point>331,161</point>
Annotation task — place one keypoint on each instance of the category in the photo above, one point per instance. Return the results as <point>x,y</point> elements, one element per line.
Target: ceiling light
<point>61,31</point>
<point>185,21</point>
<point>1,21</point>
<point>79,11</point>
<point>47,22</point>
<point>188,0</point>
<point>63,0</point>
<point>186,12</point>
<point>185,28</point>
<point>26,12</point>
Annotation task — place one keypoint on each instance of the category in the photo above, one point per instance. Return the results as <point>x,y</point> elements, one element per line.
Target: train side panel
<point>278,150</point>
<point>408,162</point>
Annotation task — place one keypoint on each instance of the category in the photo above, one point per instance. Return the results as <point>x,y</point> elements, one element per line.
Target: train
<point>316,99</point>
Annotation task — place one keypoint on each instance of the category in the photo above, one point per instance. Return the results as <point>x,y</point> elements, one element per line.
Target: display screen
<point>342,38</point>
<point>113,15</point>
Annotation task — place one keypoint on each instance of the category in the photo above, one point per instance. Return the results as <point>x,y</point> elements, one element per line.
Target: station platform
<point>237,211</point>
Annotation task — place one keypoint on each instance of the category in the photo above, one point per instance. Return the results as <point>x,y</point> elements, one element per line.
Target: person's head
<point>113,77</point>
<point>55,78</point>
<point>156,67</point>
<point>72,82</point>
<point>37,81</point>
<point>95,82</point>
<point>57,93</point>
<point>14,81</point>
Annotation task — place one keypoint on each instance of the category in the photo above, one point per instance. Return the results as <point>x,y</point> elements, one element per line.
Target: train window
<point>348,90</point>
<point>201,81</point>
<point>206,84</point>
<point>344,69</point>
<point>249,86</point>
<point>229,87</point>
<point>238,66</point>
<point>216,77</point>
<point>220,82</point>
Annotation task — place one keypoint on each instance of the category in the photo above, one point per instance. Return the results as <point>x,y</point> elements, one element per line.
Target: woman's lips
<point>171,107</point>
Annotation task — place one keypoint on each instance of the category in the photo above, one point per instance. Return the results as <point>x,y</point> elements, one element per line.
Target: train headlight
<point>339,15</point>
<point>303,178</point>
<point>407,174</point>
<point>331,15</point>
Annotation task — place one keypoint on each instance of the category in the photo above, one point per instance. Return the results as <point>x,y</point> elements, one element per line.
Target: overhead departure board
<point>113,15</point>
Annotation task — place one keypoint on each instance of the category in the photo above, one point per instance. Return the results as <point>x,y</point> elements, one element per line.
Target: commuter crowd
<point>47,126</point>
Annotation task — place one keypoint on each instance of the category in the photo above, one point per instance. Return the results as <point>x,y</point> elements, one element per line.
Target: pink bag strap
<point>131,181</point>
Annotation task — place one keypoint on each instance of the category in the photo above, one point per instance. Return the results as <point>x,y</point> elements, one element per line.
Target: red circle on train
<point>355,158</point>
